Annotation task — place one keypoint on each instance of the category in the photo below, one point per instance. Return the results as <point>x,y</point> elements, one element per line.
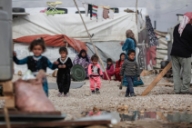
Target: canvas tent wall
<point>107,33</point>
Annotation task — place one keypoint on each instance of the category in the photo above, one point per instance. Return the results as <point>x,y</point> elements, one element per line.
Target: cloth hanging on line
<point>94,11</point>
<point>105,13</point>
<point>111,14</point>
<point>86,8</point>
<point>100,13</point>
<point>90,10</point>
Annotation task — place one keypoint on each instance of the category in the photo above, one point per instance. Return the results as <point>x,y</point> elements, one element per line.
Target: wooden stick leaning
<point>95,49</point>
<point>6,114</point>
<point>157,79</point>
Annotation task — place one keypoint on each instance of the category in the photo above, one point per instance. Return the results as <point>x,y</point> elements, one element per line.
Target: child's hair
<point>94,57</point>
<point>120,57</point>
<point>83,51</point>
<point>130,34</point>
<point>36,42</point>
<point>63,49</point>
<point>131,51</point>
<point>109,60</point>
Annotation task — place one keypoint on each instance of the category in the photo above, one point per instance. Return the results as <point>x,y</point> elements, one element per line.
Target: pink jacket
<point>94,73</point>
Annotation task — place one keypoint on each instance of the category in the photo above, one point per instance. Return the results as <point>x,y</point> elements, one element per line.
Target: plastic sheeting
<point>54,41</point>
<point>71,25</point>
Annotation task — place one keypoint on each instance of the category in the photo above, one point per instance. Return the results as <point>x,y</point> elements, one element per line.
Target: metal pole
<point>89,35</point>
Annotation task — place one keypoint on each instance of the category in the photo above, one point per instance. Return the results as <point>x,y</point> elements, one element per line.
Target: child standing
<point>63,74</point>
<point>95,72</point>
<point>37,61</point>
<point>130,69</point>
<point>109,69</point>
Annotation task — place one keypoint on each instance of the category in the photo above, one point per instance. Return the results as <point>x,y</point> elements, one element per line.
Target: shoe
<point>65,95</point>
<point>127,95</point>
<point>186,93</point>
<point>93,92</point>
<point>132,95</point>
<point>59,94</point>
<point>97,91</point>
<point>177,92</point>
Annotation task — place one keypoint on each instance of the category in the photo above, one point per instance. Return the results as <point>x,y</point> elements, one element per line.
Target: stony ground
<point>161,98</point>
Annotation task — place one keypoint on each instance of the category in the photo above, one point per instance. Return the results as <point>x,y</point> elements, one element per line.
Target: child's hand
<point>60,66</point>
<point>121,43</point>
<point>14,53</point>
<point>56,63</point>
<point>63,66</point>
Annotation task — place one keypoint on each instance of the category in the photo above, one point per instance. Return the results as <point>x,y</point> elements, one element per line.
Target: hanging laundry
<point>86,8</point>
<point>105,13</point>
<point>94,12</point>
<point>111,14</point>
<point>90,10</point>
<point>100,13</point>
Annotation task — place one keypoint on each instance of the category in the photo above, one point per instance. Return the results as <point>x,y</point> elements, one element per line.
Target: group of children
<point>64,64</point>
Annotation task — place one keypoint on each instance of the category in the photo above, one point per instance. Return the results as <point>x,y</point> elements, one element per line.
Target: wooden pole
<point>7,118</point>
<point>136,8</point>
<point>157,79</point>
<point>89,35</point>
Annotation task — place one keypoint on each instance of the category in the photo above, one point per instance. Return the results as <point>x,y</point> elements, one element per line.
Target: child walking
<point>37,61</point>
<point>130,70</point>
<point>110,69</point>
<point>95,72</point>
<point>63,75</point>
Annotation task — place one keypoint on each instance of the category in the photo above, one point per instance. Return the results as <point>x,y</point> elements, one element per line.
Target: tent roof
<point>71,25</point>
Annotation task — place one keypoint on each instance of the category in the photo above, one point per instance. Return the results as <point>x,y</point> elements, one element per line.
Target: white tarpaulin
<point>71,25</point>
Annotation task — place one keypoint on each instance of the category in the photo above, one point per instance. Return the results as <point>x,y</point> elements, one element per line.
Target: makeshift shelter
<point>107,34</point>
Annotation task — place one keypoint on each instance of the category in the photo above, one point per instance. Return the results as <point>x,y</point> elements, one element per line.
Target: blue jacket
<point>129,45</point>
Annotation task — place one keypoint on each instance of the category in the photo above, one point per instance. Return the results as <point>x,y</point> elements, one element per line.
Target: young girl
<point>95,72</point>
<point>109,69</point>
<point>130,43</point>
<point>37,61</point>
<point>118,66</point>
<point>63,74</point>
<point>83,60</point>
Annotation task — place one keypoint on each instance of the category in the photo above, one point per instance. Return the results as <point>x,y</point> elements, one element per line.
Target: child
<point>37,61</point>
<point>109,69</point>
<point>63,74</point>
<point>118,66</point>
<point>130,69</point>
<point>95,72</point>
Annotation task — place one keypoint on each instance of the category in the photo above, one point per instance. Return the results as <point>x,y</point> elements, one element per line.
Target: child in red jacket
<point>95,72</point>
<point>110,69</point>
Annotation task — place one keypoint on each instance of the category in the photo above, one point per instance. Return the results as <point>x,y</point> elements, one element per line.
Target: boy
<point>130,69</point>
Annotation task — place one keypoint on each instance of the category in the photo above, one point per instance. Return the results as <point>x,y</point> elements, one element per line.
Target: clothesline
<point>105,7</point>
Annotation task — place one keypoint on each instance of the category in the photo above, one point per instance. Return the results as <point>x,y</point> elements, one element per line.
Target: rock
<point>87,93</point>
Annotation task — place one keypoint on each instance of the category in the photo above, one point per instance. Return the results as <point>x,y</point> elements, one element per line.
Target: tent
<point>107,34</point>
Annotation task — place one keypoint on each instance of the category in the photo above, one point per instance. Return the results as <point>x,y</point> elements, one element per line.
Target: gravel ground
<point>161,98</point>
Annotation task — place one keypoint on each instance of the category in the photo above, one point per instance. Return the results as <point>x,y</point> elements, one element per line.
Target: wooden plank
<point>53,124</point>
<point>10,103</point>
<point>7,87</point>
<point>6,114</point>
<point>157,79</point>
<point>13,112</point>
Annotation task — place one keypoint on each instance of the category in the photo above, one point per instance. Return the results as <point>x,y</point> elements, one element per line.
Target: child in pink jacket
<point>95,72</point>
<point>110,69</point>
